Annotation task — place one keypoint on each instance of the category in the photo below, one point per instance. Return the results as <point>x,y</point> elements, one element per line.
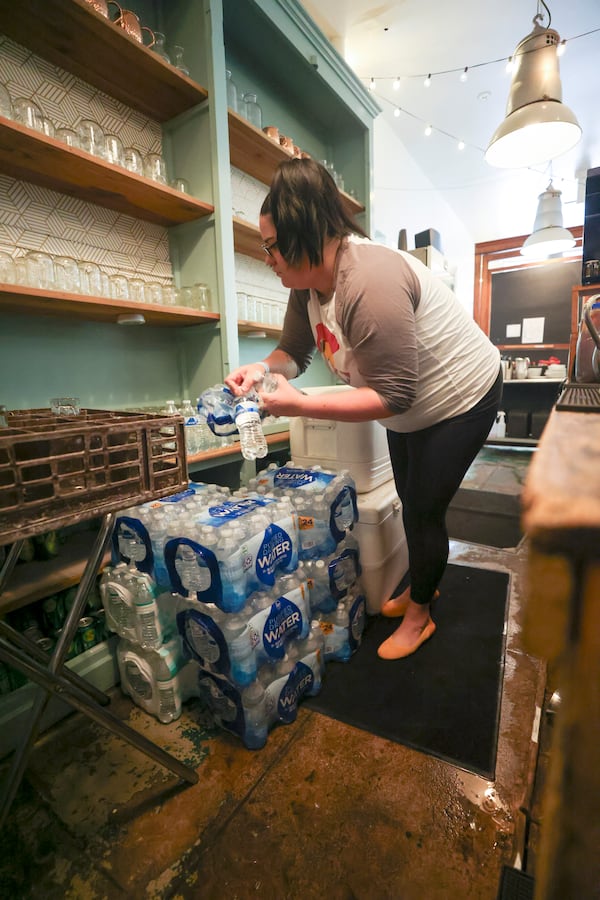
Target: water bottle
<point>117,591</point>
<point>170,409</point>
<point>217,404</point>
<point>149,628</point>
<point>232,96</point>
<point>316,539</point>
<point>252,109</point>
<point>253,443</point>
<point>233,579</point>
<point>191,427</point>
<point>242,658</point>
<point>256,725</point>
<point>149,677</point>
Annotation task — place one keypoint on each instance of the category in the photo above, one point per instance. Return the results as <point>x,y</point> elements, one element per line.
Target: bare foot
<point>415,628</point>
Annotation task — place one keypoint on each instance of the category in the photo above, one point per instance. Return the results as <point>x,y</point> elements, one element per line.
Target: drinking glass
<point>91,137</point>
<point>113,150</point>
<point>21,274</point>
<point>28,113</point>
<point>65,406</point>
<point>47,127</point>
<point>201,296</point>
<point>40,269</point>
<point>154,168</point>
<point>66,274</point>
<point>242,306</point>
<point>7,268</point>
<point>159,46</point>
<point>252,109</point>
<point>136,290</point>
<point>6,109</point>
<point>67,136</point>
<point>169,295</point>
<point>180,184</point>
<point>153,292</point>
<point>90,278</point>
<point>251,306</point>
<point>184,296</point>
<point>232,94</point>
<point>119,287</point>
<point>132,160</point>
<point>178,59</point>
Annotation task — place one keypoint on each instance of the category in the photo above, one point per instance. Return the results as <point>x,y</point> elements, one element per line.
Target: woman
<point>389,328</point>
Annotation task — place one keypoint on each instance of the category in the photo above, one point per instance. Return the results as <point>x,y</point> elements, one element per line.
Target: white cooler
<point>359,447</point>
<point>383,551</point>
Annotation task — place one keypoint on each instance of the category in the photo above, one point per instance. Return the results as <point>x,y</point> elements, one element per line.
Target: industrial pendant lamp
<point>538,126</point>
<point>548,236</point>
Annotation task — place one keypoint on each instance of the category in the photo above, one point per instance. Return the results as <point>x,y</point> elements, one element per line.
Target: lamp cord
<point>538,18</point>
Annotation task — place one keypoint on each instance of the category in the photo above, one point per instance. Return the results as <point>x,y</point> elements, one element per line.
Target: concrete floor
<point>324,810</point>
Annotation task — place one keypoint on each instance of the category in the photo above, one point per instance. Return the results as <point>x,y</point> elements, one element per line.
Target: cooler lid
<point>376,505</point>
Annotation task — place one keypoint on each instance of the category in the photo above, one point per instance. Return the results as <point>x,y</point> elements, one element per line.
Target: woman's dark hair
<point>307,209</point>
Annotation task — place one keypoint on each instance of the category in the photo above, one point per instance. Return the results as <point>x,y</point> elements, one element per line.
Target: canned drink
<point>33,633</point>
<point>45,643</point>
<point>73,649</point>
<point>100,626</point>
<point>53,612</point>
<point>87,633</point>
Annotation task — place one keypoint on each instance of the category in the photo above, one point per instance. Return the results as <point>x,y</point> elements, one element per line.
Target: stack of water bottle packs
<point>236,598</point>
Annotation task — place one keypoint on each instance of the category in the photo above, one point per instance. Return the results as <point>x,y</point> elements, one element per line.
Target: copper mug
<point>101,6</point>
<point>131,25</point>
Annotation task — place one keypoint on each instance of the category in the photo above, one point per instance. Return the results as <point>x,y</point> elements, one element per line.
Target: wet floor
<point>324,810</point>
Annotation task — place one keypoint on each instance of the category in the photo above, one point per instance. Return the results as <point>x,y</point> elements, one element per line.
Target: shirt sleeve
<point>297,337</point>
<point>376,298</point>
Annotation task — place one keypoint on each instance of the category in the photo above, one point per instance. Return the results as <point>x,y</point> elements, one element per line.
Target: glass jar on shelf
<point>178,61</point>
<point>232,94</point>
<point>252,109</point>
<point>159,46</point>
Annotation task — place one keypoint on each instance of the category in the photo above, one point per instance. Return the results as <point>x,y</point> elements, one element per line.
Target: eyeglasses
<point>269,247</point>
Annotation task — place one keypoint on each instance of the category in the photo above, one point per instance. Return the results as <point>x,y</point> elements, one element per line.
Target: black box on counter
<point>429,238</point>
<point>517,423</point>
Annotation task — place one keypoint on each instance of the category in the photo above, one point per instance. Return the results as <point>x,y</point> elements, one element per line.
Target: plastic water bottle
<point>193,440</point>
<point>253,443</point>
<point>233,579</point>
<point>256,725</point>
<point>149,628</point>
<point>242,658</point>
<point>117,589</point>
<point>149,677</point>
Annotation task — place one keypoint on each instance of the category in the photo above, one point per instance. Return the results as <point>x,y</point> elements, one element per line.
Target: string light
<point>397,111</point>
<point>372,84</point>
<point>461,145</point>
<point>428,130</point>
<point>462,71</point>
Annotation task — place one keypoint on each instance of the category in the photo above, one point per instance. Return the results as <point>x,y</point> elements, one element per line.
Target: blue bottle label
<point>356,622</point>
<point>344,513</point>
<point>131,543</point>
<point>203,640</point>
<point>221,514</point>
<point>299,682</point>
<point>224,702</point>
<point>273,627</point>
<point>289,477</point>
<point>275,553</point>
<point>343,572</point>
<point>205,560</point>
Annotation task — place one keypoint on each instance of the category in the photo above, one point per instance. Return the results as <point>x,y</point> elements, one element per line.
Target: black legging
<point>429,466</point>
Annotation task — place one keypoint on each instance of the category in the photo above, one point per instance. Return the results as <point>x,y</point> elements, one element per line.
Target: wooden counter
<point>561,518</point>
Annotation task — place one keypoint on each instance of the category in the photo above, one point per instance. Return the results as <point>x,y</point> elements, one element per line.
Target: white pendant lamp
<point>538,126</point>
<point>548,236</point>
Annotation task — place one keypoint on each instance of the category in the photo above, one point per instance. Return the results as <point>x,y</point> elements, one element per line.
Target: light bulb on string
<point>560,50</point>
<point>461,145</point>
<point>509,65</point>
<point>428,130</point>
<point>372,84</point>
<point>396,84</point>
<point>463,74</point>
<point>397,112</point>
<point>427,81</point>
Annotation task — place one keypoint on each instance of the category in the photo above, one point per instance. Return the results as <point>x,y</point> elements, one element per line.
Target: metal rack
<point>56,471</point>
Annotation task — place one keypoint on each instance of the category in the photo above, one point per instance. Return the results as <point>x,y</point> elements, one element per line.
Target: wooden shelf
<point>246,239</point>
<point>26,300</point>
<point>204,459</point>
<point>72,35</point>
<point>31,156</point>
<point>540,380</point>
<point>257,327</point>
<point>41,578</point>
<point>258,155</point>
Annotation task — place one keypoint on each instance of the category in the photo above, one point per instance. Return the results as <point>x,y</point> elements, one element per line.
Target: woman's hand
<point>279,398</point>
<point>244,378</point>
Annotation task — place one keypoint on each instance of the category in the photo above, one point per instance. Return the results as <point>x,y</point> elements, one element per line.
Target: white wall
<point>404,198</point>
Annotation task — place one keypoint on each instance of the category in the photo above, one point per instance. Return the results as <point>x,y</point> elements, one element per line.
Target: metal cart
<point>55,471</point>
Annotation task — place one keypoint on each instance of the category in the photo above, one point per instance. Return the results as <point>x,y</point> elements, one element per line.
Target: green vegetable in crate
<point>27,553</point>
<point>46,545</point>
